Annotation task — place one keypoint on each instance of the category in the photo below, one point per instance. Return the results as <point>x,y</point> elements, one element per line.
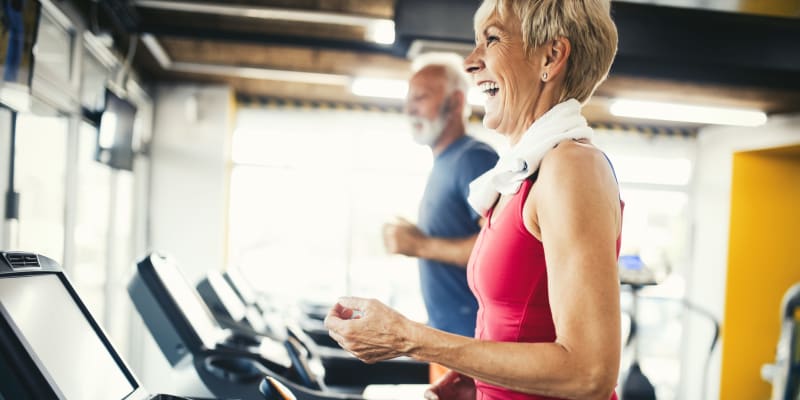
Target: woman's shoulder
<point>572,157</point>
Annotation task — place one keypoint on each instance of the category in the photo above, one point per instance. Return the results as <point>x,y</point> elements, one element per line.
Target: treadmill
<point>235,305</point>
<point>309,317</point>
<point>232,313</point>
<point>229,362</point>
<point>50,345</point>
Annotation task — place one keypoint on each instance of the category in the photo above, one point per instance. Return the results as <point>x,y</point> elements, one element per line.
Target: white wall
<point>710,215</point>
<point>5,154</point>
<point>190,175</point>
<point>188,195</point>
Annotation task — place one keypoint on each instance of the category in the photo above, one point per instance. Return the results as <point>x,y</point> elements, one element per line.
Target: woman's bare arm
<point>577,215</point>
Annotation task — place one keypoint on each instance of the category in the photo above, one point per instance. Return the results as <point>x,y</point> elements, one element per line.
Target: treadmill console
<point>183,326</point>
<point>52,342</point>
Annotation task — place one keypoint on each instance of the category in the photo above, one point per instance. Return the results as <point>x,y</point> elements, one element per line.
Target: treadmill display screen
<point>60,336</point>
<point>189,302</point>
<point>229,299</point>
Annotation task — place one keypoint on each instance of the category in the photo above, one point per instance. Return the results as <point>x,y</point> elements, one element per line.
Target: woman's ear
<point>556,54</point>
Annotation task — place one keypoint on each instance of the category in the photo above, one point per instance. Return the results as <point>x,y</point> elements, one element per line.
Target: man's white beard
<point>430,130</point>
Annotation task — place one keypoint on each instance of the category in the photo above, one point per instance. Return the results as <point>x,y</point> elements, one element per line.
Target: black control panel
<point>50,345</point>
<point>227,361</point>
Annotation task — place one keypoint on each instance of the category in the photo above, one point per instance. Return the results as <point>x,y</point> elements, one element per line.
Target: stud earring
<point>544,76</point>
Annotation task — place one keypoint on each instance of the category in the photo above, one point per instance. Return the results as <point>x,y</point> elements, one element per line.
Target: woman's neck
<point>539,108</point>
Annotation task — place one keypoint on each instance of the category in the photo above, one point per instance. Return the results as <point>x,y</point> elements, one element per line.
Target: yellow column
<point>763,261</point>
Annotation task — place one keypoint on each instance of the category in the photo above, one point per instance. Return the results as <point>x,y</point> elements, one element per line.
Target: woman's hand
<point>452,386</point>
<point>369,329</point>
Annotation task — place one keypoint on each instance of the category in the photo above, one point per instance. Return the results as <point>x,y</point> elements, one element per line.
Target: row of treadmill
<point>225,338</point>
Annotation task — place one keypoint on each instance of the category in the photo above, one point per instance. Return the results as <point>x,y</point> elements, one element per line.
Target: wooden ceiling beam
<point>287,58</point>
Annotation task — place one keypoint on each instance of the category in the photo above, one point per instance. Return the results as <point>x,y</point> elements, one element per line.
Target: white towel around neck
<point>562,122</point>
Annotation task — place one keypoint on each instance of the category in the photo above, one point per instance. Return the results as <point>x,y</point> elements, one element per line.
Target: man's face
<point>426,105</point>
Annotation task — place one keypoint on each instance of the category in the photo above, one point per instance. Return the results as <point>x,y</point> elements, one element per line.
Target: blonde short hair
<point>456,76</point>
<point>586,24</point>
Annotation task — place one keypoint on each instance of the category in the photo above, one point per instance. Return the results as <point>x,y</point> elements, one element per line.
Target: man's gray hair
<point>453,65</point>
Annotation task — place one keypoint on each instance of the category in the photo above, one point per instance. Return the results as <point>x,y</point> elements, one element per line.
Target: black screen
<point>115,136</point>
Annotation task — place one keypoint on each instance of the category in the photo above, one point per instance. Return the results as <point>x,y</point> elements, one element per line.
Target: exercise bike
<point>636,275</point>
<point>784,374</point>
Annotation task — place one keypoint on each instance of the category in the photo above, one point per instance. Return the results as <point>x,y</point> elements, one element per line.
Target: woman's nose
<point>474,61</point>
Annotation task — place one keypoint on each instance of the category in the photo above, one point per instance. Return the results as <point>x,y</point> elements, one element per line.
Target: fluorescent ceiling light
<point>385,88</point>
<point>687,113</point>
<point>381,31</point>
<point>397,89</point>
<point>261,73</point>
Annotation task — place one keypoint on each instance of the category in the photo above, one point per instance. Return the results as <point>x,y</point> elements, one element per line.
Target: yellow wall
<point>781,8</point>
<point>763,261</point>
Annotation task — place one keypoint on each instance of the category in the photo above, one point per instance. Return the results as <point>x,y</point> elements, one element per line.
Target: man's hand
<point>403,237</point>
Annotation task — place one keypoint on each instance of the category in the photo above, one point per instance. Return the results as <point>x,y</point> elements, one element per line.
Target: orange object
<point>436,371</point>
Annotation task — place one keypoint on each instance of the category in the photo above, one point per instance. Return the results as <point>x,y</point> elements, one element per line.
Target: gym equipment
<point>226,361</point>
<point>343,371</point>
<point>636,275</point>
<point>635,384</point>
<point>784,374</point>
<point>51,347</point>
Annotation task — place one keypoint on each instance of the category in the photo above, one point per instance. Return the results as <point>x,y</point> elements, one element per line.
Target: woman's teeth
<point>490,88</point>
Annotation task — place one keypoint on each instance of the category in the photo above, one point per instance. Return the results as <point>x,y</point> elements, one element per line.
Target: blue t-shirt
<point>445,213</point>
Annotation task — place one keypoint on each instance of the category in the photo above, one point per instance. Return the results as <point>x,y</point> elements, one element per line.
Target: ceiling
<point>725,52</point>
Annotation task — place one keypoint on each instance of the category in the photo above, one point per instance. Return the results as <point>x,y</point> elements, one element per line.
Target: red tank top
<point>507,274</point>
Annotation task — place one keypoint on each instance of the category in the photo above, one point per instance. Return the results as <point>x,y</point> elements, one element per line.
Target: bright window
<point>310,191</point>
<point>41,161</point>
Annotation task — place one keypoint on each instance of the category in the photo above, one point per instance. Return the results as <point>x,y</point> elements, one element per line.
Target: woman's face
<point>502,70</point>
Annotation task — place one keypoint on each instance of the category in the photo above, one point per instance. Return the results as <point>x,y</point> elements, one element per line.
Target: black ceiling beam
<point>707,46</point>
<point>690,45</point>
<point>264,39</point>
<point>122,14</point>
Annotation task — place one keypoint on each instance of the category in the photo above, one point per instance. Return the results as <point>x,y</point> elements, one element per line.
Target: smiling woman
<point>553,226</point>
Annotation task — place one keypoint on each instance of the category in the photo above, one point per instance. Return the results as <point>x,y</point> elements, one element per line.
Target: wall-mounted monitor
<point>115,139</point>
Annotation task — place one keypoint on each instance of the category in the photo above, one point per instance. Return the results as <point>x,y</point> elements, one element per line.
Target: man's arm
<point>403,237</point>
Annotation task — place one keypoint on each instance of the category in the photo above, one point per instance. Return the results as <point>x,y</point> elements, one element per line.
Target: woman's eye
<point>491,39</point>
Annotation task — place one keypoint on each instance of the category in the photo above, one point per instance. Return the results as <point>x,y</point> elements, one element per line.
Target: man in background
<point>447,226</point>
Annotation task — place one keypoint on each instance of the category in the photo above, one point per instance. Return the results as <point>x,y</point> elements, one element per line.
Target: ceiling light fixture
<point>398,89</point>
<point>687,113</point>
<point>384,88</point>
<point>379,30</point>
<point>261,73</point>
